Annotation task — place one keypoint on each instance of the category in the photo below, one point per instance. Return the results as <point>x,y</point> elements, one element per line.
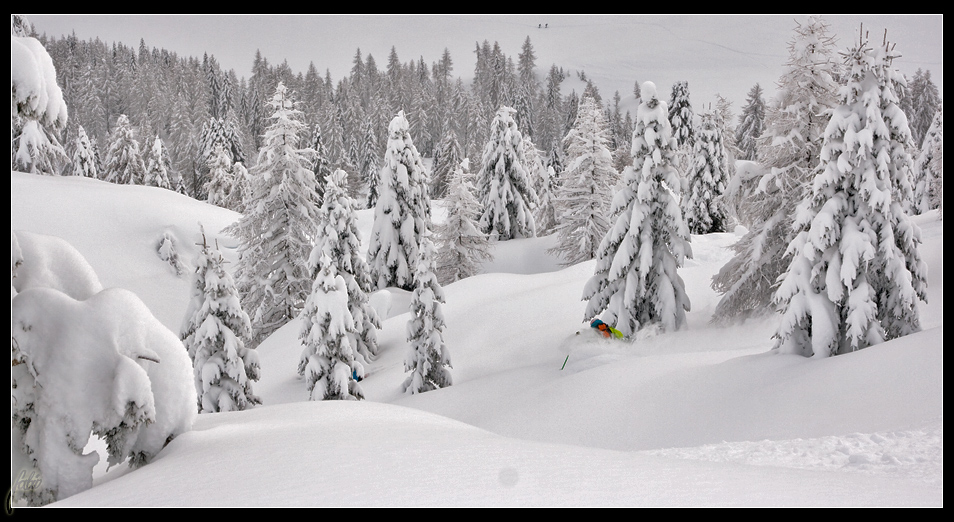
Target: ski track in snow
<point>916,454</point>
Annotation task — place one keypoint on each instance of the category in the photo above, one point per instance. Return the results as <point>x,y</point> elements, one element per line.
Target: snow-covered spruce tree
<point>544,216</point>
<point>276,231</point>
<point>369,169</point>
<point>724,118</point>
<point>624,135</point>
<point>922,102</point>
<point>789,149</point>
<point>937,184</point>
<point>448,157</point>
<point>327,360</point>
<point>38,151</point>
<point>338,235</point>
<point>636,283</point>
<point>461,247</point>
<point>680,115</point>
<point>681,119</point>
<point>540,179</point>
<point>536,169</point>
<point>708,177</point>
<point>321,163</point>
<point>428,359</point>
<point>556,158</point>
<point>217,132</point>
<point>751,123</point>
<point>83,161</point>
<point>856,273</point>
<point>241,189</point>
<point>586,191</point>
<point>723,110</point>
<point>925,176</point>
<point>220,179</point>
<point>899,144</point>
<point>124,163</point>
<point>179,185</point>
<point>351,163</point>
<point>402,211</point>
<point>157,166</point>
<point>505,190</point>
<point>930,175</point>
<point>216,329</point>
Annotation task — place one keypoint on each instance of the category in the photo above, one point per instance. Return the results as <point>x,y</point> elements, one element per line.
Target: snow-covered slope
<point>702,417</point>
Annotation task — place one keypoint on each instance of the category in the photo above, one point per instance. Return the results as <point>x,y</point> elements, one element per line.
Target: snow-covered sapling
<point>428,359</point>
<point>215,336</point>
<point>327,361</point>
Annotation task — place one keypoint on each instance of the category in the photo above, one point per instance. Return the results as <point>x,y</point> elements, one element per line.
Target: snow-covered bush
<point>86,361</point>
<point>166,250</point>
<point>36,104</point>
<point>34,90</point>
<point>74,377</point>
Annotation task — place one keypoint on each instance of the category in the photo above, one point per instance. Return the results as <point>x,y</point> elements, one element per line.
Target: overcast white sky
<point>715,53</point>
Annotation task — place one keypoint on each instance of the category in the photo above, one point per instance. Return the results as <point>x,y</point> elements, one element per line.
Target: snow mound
<point>51,262</point>
<point>422,459</point>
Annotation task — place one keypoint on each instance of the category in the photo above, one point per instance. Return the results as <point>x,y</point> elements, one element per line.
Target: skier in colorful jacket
<point>606,329</point>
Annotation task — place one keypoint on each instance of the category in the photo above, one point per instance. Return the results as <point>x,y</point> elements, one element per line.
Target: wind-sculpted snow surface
<point>916,453</point>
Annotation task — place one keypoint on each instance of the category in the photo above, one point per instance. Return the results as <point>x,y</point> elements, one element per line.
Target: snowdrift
<point>341,454</point>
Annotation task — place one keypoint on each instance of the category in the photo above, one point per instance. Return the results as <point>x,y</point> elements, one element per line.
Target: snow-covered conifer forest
<point>289,289</point>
